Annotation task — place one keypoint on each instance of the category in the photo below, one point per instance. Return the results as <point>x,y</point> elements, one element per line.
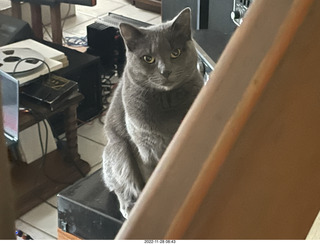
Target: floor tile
<point>90,151</point>
<point>155,21</point>
<point>53,201</point>
<point>136,13</point>
<point>32,231</point>
<point>102,7</point>
<point>47,35</point>
<point>44,217</point>
<point>79,30</point>
<point>75,20</point>
<point>125,2</point>
<point>4,4</point>
<point>93,130</point>
<point>95,168</point>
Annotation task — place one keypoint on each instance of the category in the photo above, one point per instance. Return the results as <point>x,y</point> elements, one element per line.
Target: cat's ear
<point>130,35</point>
<point>182,23</point>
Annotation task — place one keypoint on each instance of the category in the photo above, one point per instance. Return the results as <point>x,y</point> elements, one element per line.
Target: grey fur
<point>149,104</point>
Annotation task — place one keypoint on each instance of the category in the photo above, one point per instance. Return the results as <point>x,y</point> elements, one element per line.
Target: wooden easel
<point>245,162</point>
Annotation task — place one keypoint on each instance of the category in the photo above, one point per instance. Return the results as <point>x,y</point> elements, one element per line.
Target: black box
<point>88,210</point>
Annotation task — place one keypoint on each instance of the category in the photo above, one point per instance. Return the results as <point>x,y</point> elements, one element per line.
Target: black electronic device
<point>240,8</point>
<point>49,90</point>
<point>85,69</point>
<point>9,90</point>
<point>105,41</point>
<point>88,210</point>
<point>13,30</point>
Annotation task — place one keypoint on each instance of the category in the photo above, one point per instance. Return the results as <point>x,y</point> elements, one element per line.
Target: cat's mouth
<point>169,85</point>
<point>165,84</point>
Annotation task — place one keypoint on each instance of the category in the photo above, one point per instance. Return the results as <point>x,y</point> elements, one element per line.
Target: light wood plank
<point>62,235</point>
<point>244,163</point>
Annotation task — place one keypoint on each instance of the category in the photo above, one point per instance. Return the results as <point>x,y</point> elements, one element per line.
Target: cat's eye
<point>175,53</point>
<point>148,59</point>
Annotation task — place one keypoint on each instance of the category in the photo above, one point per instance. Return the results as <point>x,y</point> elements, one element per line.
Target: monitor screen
<point>9,88</point>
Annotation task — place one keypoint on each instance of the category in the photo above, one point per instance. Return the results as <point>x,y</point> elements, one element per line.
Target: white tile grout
<point>90,139</point>
<point>43,217</point>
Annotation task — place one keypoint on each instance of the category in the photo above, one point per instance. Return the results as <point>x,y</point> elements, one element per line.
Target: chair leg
<point>16,9</point>
<point>56,23</point>
<point>36,20</point>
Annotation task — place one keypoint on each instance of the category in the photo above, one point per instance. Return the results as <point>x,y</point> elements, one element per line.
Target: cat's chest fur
<point>152,117</point>
<point>156,111</point>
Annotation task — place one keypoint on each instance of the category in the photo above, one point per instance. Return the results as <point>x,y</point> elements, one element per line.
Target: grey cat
<point>159,83</point>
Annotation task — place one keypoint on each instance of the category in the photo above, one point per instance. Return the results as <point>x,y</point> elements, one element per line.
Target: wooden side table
<point>36,17</point>
<point>33,183</point>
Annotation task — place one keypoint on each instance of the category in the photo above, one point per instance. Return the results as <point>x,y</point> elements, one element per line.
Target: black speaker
<point>105,41</point>
<point>13,30</point>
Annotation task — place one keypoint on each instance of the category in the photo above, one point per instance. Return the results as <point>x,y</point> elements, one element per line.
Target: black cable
<point>31,59</point>
<point>107,86</point>
<point>42,117</point>
<point>45,150</point>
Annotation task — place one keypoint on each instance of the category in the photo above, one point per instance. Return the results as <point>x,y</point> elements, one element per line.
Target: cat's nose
<point>166,73</point>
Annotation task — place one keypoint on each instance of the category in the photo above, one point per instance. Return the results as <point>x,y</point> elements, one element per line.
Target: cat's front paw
<point>125,208</point>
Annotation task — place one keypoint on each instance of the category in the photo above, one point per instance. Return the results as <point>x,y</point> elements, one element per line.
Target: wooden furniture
<point>36,17</point>
<point>245,162</point>
<point>55,14</point>
<point>151,5</point>
<point>35,182</point>
<point>62,235</point>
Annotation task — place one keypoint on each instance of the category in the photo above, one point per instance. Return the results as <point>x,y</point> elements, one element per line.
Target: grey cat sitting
<point>159,83</point>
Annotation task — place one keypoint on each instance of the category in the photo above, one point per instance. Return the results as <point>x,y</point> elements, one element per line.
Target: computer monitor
<point>13,30</point>
<point>9,88</point>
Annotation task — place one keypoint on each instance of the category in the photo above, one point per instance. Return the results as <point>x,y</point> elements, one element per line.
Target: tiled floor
<point>42,221</point>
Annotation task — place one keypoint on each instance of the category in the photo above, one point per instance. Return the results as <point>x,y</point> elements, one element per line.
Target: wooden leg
<point>66,236</point>
<point>16,9</point>
<point>36,20</point>
<point>70,116</point>
<point>151,5</point>
<point>56,23</point>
